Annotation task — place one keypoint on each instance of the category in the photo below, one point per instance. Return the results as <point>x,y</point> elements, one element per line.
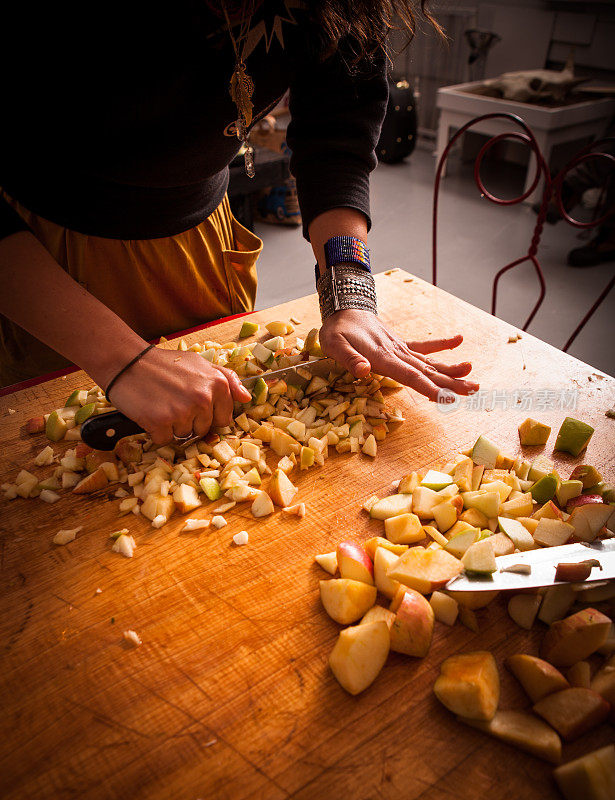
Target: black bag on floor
<point>398,134</point>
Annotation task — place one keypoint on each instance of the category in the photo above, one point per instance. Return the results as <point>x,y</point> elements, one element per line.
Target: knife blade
<point>104,431</point>
<point>543,563</point>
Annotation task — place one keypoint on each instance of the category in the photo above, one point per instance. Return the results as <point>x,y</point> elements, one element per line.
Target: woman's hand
<point>360,342</point>
<point>174,393</point>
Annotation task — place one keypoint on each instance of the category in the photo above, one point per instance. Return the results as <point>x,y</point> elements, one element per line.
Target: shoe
<point>600,250</point>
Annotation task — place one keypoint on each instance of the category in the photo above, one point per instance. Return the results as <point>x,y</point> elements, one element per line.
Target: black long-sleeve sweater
<point>122,126</point>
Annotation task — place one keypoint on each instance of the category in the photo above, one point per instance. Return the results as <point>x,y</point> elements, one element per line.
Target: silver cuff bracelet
<point>345,286</point>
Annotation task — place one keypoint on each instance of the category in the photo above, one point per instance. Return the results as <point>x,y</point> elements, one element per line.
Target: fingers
<point>454,370</point>
<point>203,420</point>
<point>435,345</point>
<point>237,389</point>
<point>345,354</point>
<point>161,434</point>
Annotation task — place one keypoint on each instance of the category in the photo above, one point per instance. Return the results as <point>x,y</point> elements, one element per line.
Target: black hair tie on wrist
<point>126,368</point>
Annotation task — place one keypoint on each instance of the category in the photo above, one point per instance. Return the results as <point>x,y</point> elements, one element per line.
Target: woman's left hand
<point>360,342</point>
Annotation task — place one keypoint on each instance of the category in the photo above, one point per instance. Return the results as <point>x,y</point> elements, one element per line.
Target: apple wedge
<point>573,712</point>
<point>383,560</point>
<point>354,563</point>
<point>479,558</point>
<point>412,629</point>
<point>591,777</point>
<point>568,490</point>
<point>425,570</point>
<point>458,545</point>
<point>575,638</point>
<point>371,545</point>
<point>186,498</point>
<point>445,515</point>
<point>556,603</point>
<point>552,532</point>
<point>485,501</point>
<point>469,685</point>
<point>378,614</point>
<point>346,600</point>
<point>328,561</point>
<point>359,654</point>
<point>533,433</point>
<point>538,677</point>
<point>391,506</point>
<point>473,600</point>
<point>579,675</point>
<point>92,483</point>
<point>573,436</point>
<point>523,608</point>
<point>485,452</point>
<point>280,489</point>
<point>587,520</point>
<point>424,500</point>
<point>445,608</point>
<point>603,681</point>
<point>404,529</point>
<point>521,506</point>
<point>262,505</point>
<point>523,731</point>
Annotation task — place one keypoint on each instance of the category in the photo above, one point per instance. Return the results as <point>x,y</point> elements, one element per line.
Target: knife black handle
<point>104,431</point>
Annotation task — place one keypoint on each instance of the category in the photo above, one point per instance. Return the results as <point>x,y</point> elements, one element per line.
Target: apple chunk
<point>346,600</point>
<point>603,681</point>
<point>523,731</point>
<point>383,560</point>
<point>425,570</point>
<point>591,777</point>
<point>538,677</point>
<point>573,712</point>
<point>575,638</point>
<point>359,654</point>
<point>404,529</point>
<point>280,489</point>
<point>523,609</point>
<point>354,563</point>
<point>587,520</point>
<point>412,629</point>
<point>391,506</point>
<point>469,685</point>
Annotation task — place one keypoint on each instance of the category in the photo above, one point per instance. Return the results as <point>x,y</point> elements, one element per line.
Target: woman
<point>115,223</point>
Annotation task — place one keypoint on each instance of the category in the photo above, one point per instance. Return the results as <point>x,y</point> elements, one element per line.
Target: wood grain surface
<point>230,695</point>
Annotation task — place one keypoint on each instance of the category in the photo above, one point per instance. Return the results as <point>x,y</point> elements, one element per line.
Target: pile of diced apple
<point>297,422</point>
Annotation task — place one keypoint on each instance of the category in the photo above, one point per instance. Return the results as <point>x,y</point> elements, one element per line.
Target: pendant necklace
<point>241,89</point>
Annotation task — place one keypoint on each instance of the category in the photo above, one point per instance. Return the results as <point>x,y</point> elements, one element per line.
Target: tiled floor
<point>476,238</point>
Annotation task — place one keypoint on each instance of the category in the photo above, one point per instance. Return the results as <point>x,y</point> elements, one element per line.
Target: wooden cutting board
<point>230,695</point>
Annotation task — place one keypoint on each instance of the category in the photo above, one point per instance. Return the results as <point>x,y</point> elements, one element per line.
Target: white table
<point>550,126</point>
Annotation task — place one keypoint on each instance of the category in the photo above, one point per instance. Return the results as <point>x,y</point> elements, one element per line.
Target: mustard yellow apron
<point>157,286</point>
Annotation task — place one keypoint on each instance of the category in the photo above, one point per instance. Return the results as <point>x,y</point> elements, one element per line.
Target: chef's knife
<point>104,431</point>
<point>543,563</point>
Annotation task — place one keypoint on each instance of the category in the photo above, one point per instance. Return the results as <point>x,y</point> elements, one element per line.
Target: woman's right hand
<point>177,393</point>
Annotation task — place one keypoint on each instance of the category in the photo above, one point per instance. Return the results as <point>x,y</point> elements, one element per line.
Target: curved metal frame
<point>552,187</point>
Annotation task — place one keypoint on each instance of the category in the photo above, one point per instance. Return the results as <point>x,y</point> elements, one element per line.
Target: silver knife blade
<point>318,366</point>
<point>543,563</point>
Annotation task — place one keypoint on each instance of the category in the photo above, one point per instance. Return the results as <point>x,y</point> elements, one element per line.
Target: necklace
<point>241,88</point>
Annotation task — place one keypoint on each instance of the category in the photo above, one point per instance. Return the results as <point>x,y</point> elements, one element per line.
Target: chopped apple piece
<point>359,654</point>
<point>486,502</point>
<point>248,329</point>
<point>473,600</point>
<point>568,490</point>
<point>445,515</point>
<point>459,545</point>
<point>297,510</point>
<point>378,541</point>
<point>435,534</point>
<point>280,489</point>
<point>469,685</point>
<point>556,603</point>
<point>523,609</point>
<point>588,475</point>
<point>523,731</point>
<point>408,483</point>
<point>186,498</point>
<point>55,427</point>
<point>412,630</point>
<point>603,681</point>
<point>575,638</point>
<point>538,677</point>
<point>485,452</point>
<point>579,675</point>
<point>328,561</point>
<point>379,614</point>
<point>425,570</point>
<point>92,483</point>
<point>532,432</point>
<point>66,536</point>
<point>549,511</point>
<point>391,506</point>
<point>468,618</point>
<point>445,607</point>
<point>573,712</point>
<point>588,520</point>
<point>544,488</point>
<point>370,448</point>
<point>383,560</point>
<point>573,436</point>
<point>502,545</point>
<point>552,532</point>
<point>479,558</point>
<point>521,506</point>
<point>591,777</point>
<point>346,600</point>
<point>404,529</point>
<point>436,480</point>
<point>354,563</point>
<point>35,425</point>
<point>262,505</point>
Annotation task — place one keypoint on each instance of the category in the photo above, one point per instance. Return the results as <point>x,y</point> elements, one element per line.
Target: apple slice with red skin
<point>412,629</point>
<point>35,425</point>
<point>573,712</point>
<point>589,519</point>
<point>583,500</point>
<point>538,677</point>
<point>575,638</point>
<point>354,563</point>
